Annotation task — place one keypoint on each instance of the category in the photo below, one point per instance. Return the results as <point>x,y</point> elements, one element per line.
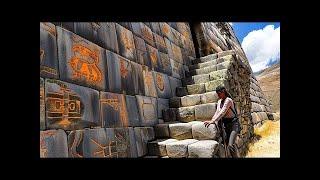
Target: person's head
<point>222,92</point>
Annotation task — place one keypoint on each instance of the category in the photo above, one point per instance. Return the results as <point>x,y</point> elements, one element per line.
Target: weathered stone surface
<point>143,136</point>
<point>165,63</point>
<point>209,97</point>
<point>169,114</point>
<point>220,74</point>
<point>69,106</point>
<point>80,61</point>
<point>165,30</point>
<point>141,50</point>
<point>174,83</point>
<point>177,69</point>
<point>196,88</point>
<point>53,144</point>
<point>137,77</point>
<point>42,106</point>
<point>126,69</point>
<point>161,130</point>
<point>162,104</point>
<point>255,118</point>
<point>68,25</point>
<point>147,35</point>
<point>212,85</point>
<point>177,56</point>
<point>113,71</point>
<point>126,43</point>
<point>200,132</point>
<point>155,27</point>
<point>254,99</point>
<point>158,147</point>
<point>133,111</point>
<point>202,149</point>
<point>201,78</point>
<point>175,102</point>
<point>186,114</point>
<point>179,149</point>
<point>147,110</point>
<point>153,57</point>
<point>224,65</point>
<point>113,110</point>
<point>133,144</point>
<point>181,130</point>
<point>149,83</point>
<point>205,112</point>
<point>162,85</point>
<point>190,100</point>
<point>48,51</point>
<point>160,43</point>
<point>181,91</point>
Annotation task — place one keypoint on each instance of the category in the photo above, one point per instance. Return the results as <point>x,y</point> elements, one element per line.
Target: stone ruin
<point>133,89</point>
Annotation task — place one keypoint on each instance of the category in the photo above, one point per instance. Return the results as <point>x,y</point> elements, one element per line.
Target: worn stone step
<point>158,147</point>
<point>200,132</point>
<point>204,112</point>
<point>169,114</point>
<point>203,78</point>
<point>212,57</point>
<point>179,149</point>
<point>210,63</point>
<point>206,70</point>
<point>186,114</point>
<point>181,131</point>
<point>161,130</point>
<point>203,149</point>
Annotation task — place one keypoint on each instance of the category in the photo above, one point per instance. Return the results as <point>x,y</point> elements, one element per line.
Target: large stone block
<point>148,110</point>
<point>158,147</point>
<point>186,114</point>
<point>162,85</point>
<point>149,83</point>
<point>137,77</point>
<point>160,43</point>
<point>69,106</point>
<point>203,149</point>
<point>133,111</point>
<point>200,132</point>
<point>212,85</point>
<point>169,114</point>
<point>165,63</point>
<point>155,27</point>
<point>162,104</point>
<point>100,143</point>
<point>143,135</point>
<point>141,50</point>
<point>224,65</point>
<point>190,100</point>
<point>126,74</point>
<point>154,58</point>
<point>201,78</point>
<point>162,130</point>
<point>165,30</point>
<point>220,74</point>
<point>209,97</point>
<point>196,88</point>
<point>174,83</point>
<point>179,149</point>
<point>113,71</point>
<point>175,102</point>
<point>205,112</point>
<point>42,106</point>
<point>181,130</point>
<point>147,34</point>
<point>181,91</point>
<point>255,118</point>
<point>133,143</point>
<point>53,144</point>
<point>80,61</point>
<point>177,55</point>
<point>48,51</point>
<point>113,110</point>
<point>177,69</point>
<point>126,43</point>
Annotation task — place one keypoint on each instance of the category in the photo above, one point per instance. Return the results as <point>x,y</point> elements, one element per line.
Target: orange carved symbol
<point>153,56</point>
<point>165,29</point>
<point>41,55</point>
<point>160,83</point>
<point>106,151</point>
<point>84,64</point>
<point>128,43</point>
<point>51,30</point>
<point>123,69</point>
<point>148,80</point>
<point>114,103</point>
<point>146,33</point>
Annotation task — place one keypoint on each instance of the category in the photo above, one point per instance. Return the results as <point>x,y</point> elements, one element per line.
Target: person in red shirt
<point>226,117</point>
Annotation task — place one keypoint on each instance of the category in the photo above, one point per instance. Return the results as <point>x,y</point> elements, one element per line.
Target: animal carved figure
<point>84,64</point>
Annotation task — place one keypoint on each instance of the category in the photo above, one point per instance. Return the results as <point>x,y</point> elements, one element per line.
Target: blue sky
<point>260,41</point>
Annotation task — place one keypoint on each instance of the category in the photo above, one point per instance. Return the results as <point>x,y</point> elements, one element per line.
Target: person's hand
<point>207,123</point>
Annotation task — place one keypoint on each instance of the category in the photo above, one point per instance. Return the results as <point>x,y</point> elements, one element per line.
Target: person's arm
<point>223,111</point>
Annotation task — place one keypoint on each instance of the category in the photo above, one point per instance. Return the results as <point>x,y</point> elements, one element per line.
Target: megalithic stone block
<point>113,110</point>
<point>165,63</point>
<point>133,111</point>
<point>169,114</point>
<point>84,29</point>
<point>181,130</point>
<point>177,69</point>
<point>141,50</point>
<point>174,83</point>
<point>126,43</point>
<point>155,27</point>
<point>143,136</point>
<point>160,43</point>
<point>165,30</point>
<point>126,25</point>
<point>181,91</point>
<point>153,56</point>
<point>113,71</point>
<point>149,83</point>
<point>196,88</point>
<point>158,147</point>
<point>179,149</point>
<point>212,85</point>
<point>80,61</point>
<point>48,51</point>
<point>200,132</point>
<point>186,114</point>
<point>203,149</point>
<point>201,78</point>
<point>42,106</point>
<point>53,144</point>
<point>126,75</point>
<point>190,100</point>
<point>205,112</point>
<point>177,56</point>
<point>147,34</point>
<point>105,36</point>
<point>133,144</point>
<point>162,104</point>
<point>162,130</point>
<point>162,85</point>
<point>137,77</point>
<point>148,110</point>
<point>68,25</point>
<point>220,74</point>
<point>209,97</point>
<point>69,106</point>
<point>175,102</point>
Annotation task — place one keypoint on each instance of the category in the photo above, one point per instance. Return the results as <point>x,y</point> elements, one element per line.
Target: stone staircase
<point>183,134</point>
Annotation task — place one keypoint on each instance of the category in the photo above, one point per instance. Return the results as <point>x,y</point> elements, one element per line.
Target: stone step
<point>179,149</point>
<point>203,78</point>
<point>212,57</point>
<point>192,100</point>
<point>202,88</point>
<point>158,147</point>
<point>203,149</point>
<point>209,69</point>
<point>210,63</point>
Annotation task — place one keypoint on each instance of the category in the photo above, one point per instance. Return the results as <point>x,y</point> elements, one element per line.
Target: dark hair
<point>223,89</point>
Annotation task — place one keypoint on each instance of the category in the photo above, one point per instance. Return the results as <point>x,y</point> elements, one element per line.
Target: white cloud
<point>262,46</point>
<point>231,24</point>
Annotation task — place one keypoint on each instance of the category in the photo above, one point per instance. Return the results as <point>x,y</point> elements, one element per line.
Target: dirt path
<point>268,144</point>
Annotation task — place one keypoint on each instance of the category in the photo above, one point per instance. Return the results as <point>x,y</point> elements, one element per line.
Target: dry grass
<point>268,140</point>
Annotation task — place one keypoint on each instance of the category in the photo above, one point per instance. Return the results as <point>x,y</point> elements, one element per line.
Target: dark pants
<point>231,129</point>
